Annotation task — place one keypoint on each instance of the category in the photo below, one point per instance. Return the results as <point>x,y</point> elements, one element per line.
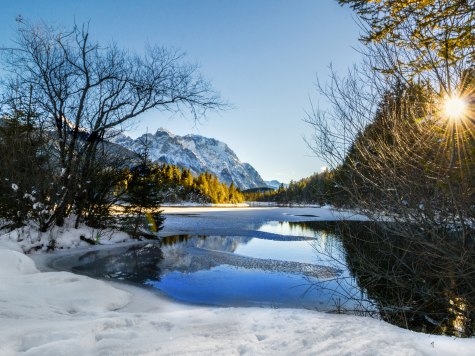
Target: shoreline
<point>55,313</point>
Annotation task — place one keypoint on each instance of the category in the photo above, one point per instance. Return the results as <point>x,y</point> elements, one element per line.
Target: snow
<point>56,313</point>
<point>60,313</point>
<point>198,153</point>
<point>15,262</point>
<point>274,184</point>
<point>168,206</point>
<point>30,239</point>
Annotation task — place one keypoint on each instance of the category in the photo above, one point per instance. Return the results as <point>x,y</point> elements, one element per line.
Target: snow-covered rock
<point>198,153</point>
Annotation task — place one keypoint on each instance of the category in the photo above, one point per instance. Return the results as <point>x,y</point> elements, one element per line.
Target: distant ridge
<point>275,184</point>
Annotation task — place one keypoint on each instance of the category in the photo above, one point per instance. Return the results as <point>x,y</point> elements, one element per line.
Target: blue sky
<point>263,56</point>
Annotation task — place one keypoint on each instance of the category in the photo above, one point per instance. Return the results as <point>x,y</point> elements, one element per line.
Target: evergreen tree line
<point>177,184</point>
<point>319,188</point>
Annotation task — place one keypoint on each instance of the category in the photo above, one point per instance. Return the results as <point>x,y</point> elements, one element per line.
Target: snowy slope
<point>197,153</point>
<point>60,313</point>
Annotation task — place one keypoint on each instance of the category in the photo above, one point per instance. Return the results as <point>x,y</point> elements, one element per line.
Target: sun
<point>455,107</point>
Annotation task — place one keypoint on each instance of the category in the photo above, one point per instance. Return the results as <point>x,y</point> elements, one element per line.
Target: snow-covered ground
<point>60,313</point>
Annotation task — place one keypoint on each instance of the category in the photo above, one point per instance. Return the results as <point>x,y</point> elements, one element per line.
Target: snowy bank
<point>60,313</point>
<point>29,239</point>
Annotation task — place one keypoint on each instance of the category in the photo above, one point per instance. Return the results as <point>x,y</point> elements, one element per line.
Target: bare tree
<point>402,153</point>
<point>397,148</point>
<point>84,92</point>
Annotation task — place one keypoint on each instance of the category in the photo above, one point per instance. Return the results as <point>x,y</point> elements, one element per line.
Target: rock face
<point>198,153</point>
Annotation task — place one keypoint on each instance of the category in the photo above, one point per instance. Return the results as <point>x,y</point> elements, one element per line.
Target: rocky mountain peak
<point>198,153</point>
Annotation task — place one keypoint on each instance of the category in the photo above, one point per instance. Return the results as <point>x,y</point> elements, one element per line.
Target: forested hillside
<point>177,184</point>
<point>319,188</point>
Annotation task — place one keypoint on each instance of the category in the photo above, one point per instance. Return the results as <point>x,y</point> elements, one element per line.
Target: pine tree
<point>25,174</point>
<point>143,198</point>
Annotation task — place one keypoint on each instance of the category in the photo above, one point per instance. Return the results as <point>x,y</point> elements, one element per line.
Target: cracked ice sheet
<point>59,313</point>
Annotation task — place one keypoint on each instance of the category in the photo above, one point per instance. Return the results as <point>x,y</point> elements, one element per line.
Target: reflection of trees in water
<point>288,230</point>
<point>135,264</point>
<point>325,239</point>
<point>175,239</point>
<point>188,254</point>
<point>417,281</point>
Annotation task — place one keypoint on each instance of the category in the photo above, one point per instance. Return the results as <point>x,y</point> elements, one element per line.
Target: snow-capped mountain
<point>198,153</point>
<point>274,184</point>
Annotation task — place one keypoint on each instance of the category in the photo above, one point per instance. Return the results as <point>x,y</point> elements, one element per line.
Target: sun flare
<point>455,107</point>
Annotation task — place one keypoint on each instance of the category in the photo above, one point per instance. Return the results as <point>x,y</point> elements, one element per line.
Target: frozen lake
<point>310,258</point>
<point>270,257</point>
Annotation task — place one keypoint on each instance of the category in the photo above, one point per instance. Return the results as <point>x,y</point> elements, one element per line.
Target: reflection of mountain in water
<point>423,284</point>
<point>191,260</point>
<point>187,255</point>
<point>216,243</point>
<point>191,254</point>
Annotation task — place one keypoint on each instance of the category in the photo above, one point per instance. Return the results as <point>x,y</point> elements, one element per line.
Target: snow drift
<point>60,313</point>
